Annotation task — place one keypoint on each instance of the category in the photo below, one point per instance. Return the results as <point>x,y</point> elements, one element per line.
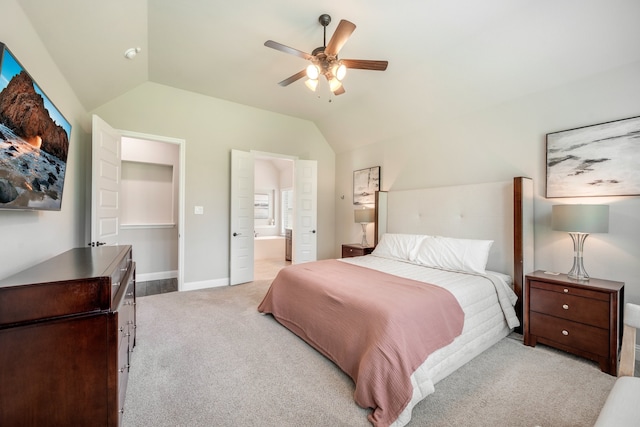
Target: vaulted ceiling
<point>446,57</point>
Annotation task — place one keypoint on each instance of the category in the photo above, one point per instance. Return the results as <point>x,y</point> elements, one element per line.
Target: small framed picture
<point>365,184</point>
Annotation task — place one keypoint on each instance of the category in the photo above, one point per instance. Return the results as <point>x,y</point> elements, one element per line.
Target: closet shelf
<point>147,225</point>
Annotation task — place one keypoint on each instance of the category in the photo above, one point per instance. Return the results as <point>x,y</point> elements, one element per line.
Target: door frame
<point>295,160</point>
<point>181,191</point>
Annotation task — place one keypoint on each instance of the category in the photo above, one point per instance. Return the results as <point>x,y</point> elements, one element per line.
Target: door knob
<point>237,234</point>
<point>313,231</point>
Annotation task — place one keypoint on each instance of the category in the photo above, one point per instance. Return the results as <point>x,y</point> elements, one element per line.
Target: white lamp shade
<point>312,84</point>
<point>580,218</point>
<point>364,215</point>
<point>334,84</point>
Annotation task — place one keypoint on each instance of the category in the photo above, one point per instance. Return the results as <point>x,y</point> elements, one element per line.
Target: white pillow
<point>454,254</point>
<point>398,246</point>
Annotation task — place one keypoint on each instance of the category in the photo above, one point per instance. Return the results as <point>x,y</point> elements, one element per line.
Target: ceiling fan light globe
<point>340,72</point>
<point>313,72</point>
<point>312,84</point>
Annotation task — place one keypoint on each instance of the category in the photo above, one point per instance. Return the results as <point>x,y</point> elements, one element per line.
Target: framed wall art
<point>34,141</point>
<point>597,160</point>
<point>365,184</point>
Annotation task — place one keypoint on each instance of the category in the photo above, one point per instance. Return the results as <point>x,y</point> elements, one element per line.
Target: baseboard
<point>160,275</point>
<point>204,284</point>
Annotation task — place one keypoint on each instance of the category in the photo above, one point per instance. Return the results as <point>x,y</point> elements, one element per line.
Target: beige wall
<point>509,140</point>
<point>211,128</point>
<point>27,238</point>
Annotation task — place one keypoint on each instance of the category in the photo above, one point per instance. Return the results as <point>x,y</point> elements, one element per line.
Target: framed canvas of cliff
<point>34,141</point>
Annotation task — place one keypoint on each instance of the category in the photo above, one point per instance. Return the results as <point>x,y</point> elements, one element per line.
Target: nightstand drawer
<point>570,289</point>
<point>571,334</point>
<point>580,309</point>
<point>352,250</point>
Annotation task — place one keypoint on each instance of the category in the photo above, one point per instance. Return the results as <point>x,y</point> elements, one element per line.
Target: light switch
<point>198,210</point>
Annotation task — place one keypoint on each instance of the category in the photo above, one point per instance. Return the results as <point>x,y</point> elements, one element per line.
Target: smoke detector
<point>132,52</point>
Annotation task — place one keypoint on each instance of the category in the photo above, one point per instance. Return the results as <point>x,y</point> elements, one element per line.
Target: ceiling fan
<point>324,59</point>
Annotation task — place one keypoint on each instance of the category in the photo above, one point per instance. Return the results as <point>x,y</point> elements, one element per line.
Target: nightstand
<point>580,317</point>
<point>355,249</point>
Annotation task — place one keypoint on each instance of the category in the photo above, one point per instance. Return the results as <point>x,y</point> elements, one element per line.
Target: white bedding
<point>487,302</point>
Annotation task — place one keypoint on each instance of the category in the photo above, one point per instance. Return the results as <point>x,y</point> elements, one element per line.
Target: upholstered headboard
<point>498,211</point>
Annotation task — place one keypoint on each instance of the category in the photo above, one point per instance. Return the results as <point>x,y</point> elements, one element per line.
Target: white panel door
<point>105,183</point>
<point>305,234</point>
<point>241,239</point>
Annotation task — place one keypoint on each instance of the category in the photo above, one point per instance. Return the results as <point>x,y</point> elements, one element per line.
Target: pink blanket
<point>378,328</point>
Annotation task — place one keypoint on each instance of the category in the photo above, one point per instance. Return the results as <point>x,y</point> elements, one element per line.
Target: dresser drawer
<point>571,334</point>
<point>120,274</point>
<point>567,306</point>
<point>123,377</point>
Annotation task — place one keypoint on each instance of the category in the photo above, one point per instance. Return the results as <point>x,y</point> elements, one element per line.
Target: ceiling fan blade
<point>339,91</point>
<point>287,49</point>
<point>363,64</point>
<point>340,37</point>
<point>295,77</point>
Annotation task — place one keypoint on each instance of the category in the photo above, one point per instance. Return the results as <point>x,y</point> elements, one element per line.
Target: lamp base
<point>577,271</point>
<point>364,242</point>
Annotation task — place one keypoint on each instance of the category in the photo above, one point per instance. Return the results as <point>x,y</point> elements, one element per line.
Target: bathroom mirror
<point>263,212</point>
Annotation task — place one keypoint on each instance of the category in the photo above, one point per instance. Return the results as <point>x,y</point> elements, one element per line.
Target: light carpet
<point>208,358</point>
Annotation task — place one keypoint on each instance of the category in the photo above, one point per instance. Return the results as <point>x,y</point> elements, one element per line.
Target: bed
<point>440,288</point>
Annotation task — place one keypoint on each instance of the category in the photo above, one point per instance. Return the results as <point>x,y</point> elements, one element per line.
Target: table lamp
<point>579,221</point>
<point>364,217</point>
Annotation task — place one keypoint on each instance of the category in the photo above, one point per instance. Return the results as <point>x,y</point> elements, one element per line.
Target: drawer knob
<point>565,306</point>
<point>566,291</point>
<point>565,332</point>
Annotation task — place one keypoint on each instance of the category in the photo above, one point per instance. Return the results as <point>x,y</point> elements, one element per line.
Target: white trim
<point>205,284</point>
<point>265,154</point>
<point>160,275</point>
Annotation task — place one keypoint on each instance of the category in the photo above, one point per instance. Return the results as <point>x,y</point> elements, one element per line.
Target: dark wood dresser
<point>67,328</point>
<point>580,317</point>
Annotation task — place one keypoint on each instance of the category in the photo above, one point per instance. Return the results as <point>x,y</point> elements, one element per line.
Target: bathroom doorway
<point>245,202</point>
<point>273,214</point>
